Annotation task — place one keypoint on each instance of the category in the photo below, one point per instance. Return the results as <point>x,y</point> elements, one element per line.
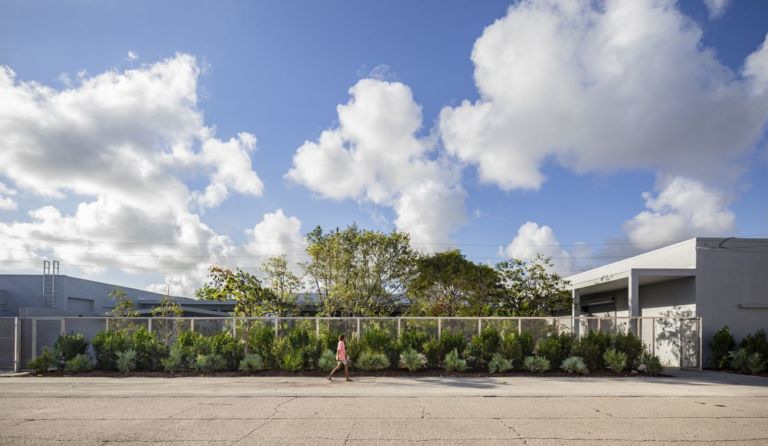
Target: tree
<point>447,284</point>
<point>530,288</point>
<point>359,272</point>
<point>281,280</point>
<point>251,298</point>
<point>167,329</point>
<point>124,306</point>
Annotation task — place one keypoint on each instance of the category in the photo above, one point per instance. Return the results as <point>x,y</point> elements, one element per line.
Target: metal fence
<point>677,341</point>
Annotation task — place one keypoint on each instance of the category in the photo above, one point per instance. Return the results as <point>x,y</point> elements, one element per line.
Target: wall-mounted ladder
<point>50,271</point>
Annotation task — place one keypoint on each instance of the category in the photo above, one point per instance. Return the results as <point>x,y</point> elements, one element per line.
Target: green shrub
<point>43,362</point>
<point>175,360</point>
<point>454,363</point>
<point>228,347</point>
<point>499,364</point>
<point>80,363</point>
<point>327,360</point>
<point>739,360</point>
<point>376,339</point>
<point>126,361</point>
<point>722,343</point>
<point>756,343</point>
<point>650,364</point>
<point>412,360</point>
<point>536,364</point>
<point>591,347</point>
<point>149,350</point>
<point>556,348</point>
<point>252,362</point>
<point>452,341</point>
<point>370,360</point>
<point>106,345</point>
<point>483,346</point>
<point>755,363</point>
<point>292,360</point>
<point>433,352</point>
<point>631,345</point>
<point>209,363</point>
<point>261,340</point>
<point>413,340</point>
<point>615,360</point>
<point>70,345</point>
<point>575,365</point>
<point>516,347</point>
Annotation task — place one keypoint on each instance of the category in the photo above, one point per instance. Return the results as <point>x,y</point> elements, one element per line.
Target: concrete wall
<point>728,275</point>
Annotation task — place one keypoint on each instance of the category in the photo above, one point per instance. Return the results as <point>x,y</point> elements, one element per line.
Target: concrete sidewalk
<point>689,408</point>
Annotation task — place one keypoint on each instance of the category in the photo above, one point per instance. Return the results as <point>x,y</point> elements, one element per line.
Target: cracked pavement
<point>689,408</point>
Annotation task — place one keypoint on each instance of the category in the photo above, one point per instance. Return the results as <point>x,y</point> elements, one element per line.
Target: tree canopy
<point>251,298</point>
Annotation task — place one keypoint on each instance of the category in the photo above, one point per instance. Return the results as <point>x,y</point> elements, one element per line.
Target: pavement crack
<point>512,428</point>
<point>270,418</point>
<point>346,439</point>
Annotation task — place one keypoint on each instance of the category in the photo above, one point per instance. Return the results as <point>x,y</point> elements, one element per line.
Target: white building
<point>722,280</point>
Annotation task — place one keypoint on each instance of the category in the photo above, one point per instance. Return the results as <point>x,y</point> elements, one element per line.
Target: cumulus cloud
<point>681,209</point>
<point>122,143</point>
<point>132,55</point>
<point>277,234</point>
<point>375,155</point>
<point>532,240</point>
<point>6,202</point>
<point>716,7</point>
<point>602,86</point>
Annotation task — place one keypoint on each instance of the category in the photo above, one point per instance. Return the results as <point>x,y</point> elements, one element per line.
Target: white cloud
<point>122,143</point>
<point>375,155</point>
<point>6,202</point>
<point>532,239</point>
<point>602,86</point>
<point>132,55</point>
<point>716,7</point>
<point>277,234</point>
<point>682,208</point>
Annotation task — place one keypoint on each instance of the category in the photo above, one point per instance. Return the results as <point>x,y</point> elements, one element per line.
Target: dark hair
<point>341,337</point>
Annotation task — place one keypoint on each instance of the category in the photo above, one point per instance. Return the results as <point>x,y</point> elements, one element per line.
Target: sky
<point>141,142</point>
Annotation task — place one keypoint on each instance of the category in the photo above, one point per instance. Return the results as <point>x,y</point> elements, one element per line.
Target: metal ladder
<point>50,271</point>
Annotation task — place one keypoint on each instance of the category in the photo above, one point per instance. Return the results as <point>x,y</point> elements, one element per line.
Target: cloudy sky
<point>141,142</point>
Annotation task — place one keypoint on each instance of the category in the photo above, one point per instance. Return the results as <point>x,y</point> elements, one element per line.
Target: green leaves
<point>252,299</point>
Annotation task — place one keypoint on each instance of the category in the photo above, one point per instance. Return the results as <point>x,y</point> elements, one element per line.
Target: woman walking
<point>341,359</point>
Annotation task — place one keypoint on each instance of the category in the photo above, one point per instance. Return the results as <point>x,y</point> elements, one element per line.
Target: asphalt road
<point>689,408</point>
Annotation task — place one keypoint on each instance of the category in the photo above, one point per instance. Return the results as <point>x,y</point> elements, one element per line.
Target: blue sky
<point>278,70</point>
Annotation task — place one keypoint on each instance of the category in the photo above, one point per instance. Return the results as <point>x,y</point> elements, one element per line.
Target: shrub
<point>292,360</point>
<point>516,347</point>
<point>536,364</point>
<point>591,348</point>
<point>376,339</point>
<point>80,363</point>
<point>149,350</point>
<point>412,360</point>
<point>228,347</point>
<point>756,343</point>
<point>454,363</point>
<point>631,345</point>
<point>209,363</point>
<point>70,345</point>
<point>575,365</point>
<point>106,345</point>
<point>755,363</point>
<point>252,362</point>
<point>615,360</point>
<point>650,364</point>
<point>126,361</point>
<point>483,346</point>
<point>327,360</point>
<point>433,352</point>
<point>260,340</point>
<point>556,348</point>
<point>370,360</point>
<point>175,361</point>
<point>499,364</point>
<point>452,341</point>
<point>43,362</point>
<point>413,340</point>
<point>739,360</point>
<point>722,343</point>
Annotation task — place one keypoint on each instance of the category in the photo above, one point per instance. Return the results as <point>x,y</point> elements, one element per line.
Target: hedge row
<point>491,350</point>
<point>750,357</point>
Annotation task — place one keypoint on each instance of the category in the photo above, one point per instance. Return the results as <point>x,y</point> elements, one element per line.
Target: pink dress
<point>341,352</point>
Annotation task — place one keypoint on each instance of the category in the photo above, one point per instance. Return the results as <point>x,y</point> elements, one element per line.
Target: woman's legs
<point>338,366</point>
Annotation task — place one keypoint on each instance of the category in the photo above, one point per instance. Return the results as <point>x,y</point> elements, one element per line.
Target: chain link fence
<point>677,341</point>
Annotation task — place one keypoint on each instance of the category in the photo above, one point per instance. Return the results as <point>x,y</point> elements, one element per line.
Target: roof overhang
<point>620,280</point>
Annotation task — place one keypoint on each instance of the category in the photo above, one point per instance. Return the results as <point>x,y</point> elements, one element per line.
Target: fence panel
<point>7,342</point>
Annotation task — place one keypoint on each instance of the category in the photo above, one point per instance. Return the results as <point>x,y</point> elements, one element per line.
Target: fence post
<point>149,325</point>
<point>16,344</point>
<point>479,325</point>
<point>399,332</point>
<point>277,326</point>
<point>106,323</point>
<point>34,338</point>
<point>357,319</point>
<point>439,327</point>
<point>519,326</point>
<point>192,324</point>
<point>653,336</point>
<point>681,342</point>
<point>234,328</point>
<point>701,338</point>
<point>62,327</point>
<point>317,327</point>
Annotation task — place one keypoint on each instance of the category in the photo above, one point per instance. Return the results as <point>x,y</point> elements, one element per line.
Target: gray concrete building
<point>724,281</point>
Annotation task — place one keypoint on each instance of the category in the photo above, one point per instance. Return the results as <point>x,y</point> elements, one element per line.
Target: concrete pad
<point>353,408</point>
<point>430,429</point>
<point>302,429</point>
<point>232,408</point>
